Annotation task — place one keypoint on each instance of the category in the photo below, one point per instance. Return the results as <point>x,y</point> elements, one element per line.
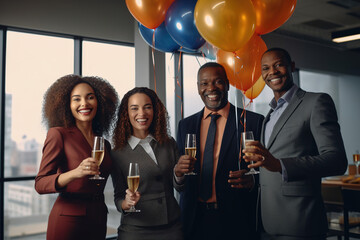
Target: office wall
<point>349,113</point>
<point>316,57</point>
<point>104,19</point>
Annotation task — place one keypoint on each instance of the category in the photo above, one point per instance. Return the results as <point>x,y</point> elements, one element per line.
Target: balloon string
<point>257,51</point>
<point>178,83</point>
<point>197,59</point>
<point>236,118</point>
<point>235,73</point>
<point>153,59</point>
<point>202,53</point>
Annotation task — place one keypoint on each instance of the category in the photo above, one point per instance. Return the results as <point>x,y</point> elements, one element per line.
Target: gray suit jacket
<point>157,203</point>
<point>307,139</point>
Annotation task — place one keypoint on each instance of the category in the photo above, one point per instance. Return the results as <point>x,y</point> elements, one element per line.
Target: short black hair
<point>214,65</point>
<point>283,51</point>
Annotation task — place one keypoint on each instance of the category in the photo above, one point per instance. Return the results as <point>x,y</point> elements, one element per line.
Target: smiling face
<point>83,103</point>
<point>141,114</point>
<point>276,71</point>
<point>213,87</point>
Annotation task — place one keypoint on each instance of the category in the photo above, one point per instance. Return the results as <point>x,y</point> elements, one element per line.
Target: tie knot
<point>214,117</point>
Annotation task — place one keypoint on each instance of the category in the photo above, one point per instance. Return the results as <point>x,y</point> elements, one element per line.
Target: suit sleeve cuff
<point>179,180</point>
<point>283,172</point>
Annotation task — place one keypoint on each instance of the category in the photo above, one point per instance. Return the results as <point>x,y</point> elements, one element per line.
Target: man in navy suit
<point>230,209</point>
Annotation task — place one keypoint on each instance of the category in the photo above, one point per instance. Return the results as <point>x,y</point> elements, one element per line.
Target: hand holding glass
<point>98,154</point>
<point>246,137</point>
<point>190,148</point>
<point>133,181</point>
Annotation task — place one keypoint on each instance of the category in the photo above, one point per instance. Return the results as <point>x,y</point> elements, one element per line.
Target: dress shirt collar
<point>285,98</point>
<point>134,141</point>
<point>224,112</point>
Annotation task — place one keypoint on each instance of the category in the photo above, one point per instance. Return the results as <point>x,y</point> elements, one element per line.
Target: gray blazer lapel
<point>294,103</point>
<point>145,157</point>
<point>262,137</point>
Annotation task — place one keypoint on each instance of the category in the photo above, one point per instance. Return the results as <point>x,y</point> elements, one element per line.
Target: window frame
<point>78,40</point>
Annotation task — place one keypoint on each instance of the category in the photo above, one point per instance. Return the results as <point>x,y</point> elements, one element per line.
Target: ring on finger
<point>263,158</point>
<point>87,167</point>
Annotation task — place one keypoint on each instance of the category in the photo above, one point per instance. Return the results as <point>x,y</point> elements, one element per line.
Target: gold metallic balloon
<point>226,24</point>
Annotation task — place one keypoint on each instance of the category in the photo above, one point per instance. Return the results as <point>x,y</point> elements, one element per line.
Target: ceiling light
<point>346,35</point>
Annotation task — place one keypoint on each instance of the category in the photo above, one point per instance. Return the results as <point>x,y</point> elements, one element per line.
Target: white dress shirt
<point>145,143</point>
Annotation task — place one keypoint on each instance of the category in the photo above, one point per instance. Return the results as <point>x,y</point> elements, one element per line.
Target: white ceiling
<point>315,20</point>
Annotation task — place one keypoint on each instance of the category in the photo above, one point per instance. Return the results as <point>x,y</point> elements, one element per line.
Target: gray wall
<point>349,113</point>
<point>104,19</point>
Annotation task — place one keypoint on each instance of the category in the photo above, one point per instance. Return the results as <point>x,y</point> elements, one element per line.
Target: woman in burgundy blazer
<point>75,110</point>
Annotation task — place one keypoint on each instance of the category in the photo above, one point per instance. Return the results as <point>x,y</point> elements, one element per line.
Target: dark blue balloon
<point>180,24</point>
<point>163,41</point>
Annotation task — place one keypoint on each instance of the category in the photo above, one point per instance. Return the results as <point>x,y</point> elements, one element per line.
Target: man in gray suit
<point>303,143</point>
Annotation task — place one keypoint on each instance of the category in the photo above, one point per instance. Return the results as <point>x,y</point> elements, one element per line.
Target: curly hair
<point>56,105</point>
<point>158,128</point>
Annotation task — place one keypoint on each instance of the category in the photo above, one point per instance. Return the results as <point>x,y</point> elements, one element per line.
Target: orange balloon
<point>226,24</point>
<point>271,14</point>
<point>150,13</point>
<point>256,89</point>
<point>244,67</point>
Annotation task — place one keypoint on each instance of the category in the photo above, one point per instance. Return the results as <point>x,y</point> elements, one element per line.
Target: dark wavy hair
<point>56,104</point>
<point>158,128</point>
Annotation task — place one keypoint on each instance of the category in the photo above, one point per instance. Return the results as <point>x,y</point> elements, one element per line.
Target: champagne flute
<point>356,158</point>
<point>247,137</point>
<point>133,181</point>
<point>98,154</point>
<point>190,148</point>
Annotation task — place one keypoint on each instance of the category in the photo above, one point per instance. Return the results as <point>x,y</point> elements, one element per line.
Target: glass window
<point>192,101</point>
<point>26,212</point>
<point>33,63</point>
<point>261,103</point>
<point>115,63</point>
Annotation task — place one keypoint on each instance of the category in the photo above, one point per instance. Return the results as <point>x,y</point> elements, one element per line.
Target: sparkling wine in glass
<point>246,137</point>
<point>356,158</point>
<point>190,148</point>
<point>98,154</point>
<point>133,181</point>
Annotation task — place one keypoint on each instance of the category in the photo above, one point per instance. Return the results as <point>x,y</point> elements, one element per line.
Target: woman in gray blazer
<point>141,136</point>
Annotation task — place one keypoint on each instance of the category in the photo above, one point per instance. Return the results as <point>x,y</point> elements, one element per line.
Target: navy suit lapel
<point>297,99</point>
<point>228,137</point>
<point>198,118</point>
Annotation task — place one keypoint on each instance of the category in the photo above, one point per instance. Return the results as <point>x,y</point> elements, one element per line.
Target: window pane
<point>192,100</point>
<point>33,63</point>
<point>115,63</point>
<point>26,212</point>
<point>261,103</point>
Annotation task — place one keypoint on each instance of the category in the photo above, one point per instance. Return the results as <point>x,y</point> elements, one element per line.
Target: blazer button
<point>160,200</point>
<point>158,178</point>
